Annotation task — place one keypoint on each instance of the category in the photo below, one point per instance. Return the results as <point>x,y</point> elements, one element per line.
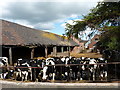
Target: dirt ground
<point>90,55</point>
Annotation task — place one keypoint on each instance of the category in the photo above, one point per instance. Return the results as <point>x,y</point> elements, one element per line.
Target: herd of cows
<point>55,68</point>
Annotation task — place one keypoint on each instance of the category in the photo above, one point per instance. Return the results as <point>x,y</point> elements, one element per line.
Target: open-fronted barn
<point>23,42</point>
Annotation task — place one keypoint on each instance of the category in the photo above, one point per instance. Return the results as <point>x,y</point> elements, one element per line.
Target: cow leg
<point>15,75</point>
<point>93,75</point>
<point>26,76</point>
<point>18,76</point>
<point>44,73</point>
<point>78,76</point>
<point>1,76</point>
<point>31,75</point>
<point>53,77</point>
<point>4,75</point>
<point>22,77</point>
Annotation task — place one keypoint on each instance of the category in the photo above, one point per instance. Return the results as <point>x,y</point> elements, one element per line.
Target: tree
<point>105,18</point>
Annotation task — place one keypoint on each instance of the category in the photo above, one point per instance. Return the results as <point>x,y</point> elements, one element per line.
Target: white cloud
<point>24,22</point>
<point>72,22</point>
<point>74,16</point>
<point>44,26</point>
<point>37,13</point>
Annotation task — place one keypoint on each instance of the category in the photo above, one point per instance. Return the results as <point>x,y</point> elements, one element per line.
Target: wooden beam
<point>68,50</point>
<point>46,51</point>
<point>55,50</point>
<point>0,51</point>
<point>32,53</point>
<point>10,56</point>
<point>62,49</point>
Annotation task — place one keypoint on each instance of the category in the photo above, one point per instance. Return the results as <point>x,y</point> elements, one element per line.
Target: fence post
<point>115,72</point>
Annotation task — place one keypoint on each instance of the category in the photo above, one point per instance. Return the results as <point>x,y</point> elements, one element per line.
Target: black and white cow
<point>51,69</point>
<point>67,68</point>
<point>59,69</point>
<point>102,68</point>
<point>3,67</point>
<point>75,70</point>
<point>48,70</point>
<point>36,67</point>
<point>92,68</point>
<point>56,71</point>
<point>22,69</point>
<point>29,69</point>
<point>85,74</point>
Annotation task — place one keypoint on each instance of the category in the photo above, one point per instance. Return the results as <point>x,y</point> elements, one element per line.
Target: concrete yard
<point>20,84</point>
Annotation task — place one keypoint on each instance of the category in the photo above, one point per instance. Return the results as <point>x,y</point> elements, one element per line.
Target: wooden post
<point>55,50</point>
<point>68,49</point>
<point>0,51</point>
<point>32,53</point>
<point>46,51</point>
<point>62,49</point>
<point>10,56</point>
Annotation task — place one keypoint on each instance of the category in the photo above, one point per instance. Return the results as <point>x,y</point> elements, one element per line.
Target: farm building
<point>23,42</point>
<point>81,43</point>
<point>93,41</point>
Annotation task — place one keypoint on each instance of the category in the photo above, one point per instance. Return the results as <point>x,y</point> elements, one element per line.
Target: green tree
<point>105,18</point>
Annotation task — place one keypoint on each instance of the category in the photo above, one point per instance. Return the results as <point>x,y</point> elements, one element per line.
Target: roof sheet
<point>15,34</point>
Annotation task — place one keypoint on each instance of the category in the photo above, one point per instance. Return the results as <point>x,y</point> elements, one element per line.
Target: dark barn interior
<point>50,49</point>
<point>39,51</point>
<point>59,49</point>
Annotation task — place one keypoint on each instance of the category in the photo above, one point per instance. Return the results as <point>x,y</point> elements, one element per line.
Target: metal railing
<point>112,69</point>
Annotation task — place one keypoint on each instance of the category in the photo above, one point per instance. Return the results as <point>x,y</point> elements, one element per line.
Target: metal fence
<point>112,70</point>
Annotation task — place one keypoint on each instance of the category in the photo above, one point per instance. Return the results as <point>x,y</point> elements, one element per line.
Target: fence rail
<point>112,68</point>
<point>63,65</point>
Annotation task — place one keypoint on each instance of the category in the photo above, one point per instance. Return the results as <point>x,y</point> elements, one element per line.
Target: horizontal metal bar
<point>64,65</point>
<point>19,67</point>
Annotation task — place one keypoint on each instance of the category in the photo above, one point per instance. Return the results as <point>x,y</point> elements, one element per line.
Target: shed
<point>19,41</point>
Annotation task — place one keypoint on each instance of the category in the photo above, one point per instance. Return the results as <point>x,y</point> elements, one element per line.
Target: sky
<point>47,15</point>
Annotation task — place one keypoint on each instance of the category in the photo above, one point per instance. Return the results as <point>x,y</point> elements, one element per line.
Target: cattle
<point>93,68</point>
<point>22,69</point>
<point>75,70</point>
<point>36,67</point>
<point>56,72</point>
<point>48,71</point>
<point>29,69</point>
<point>57,68</point>
<point>69,71</point>
<point>3,67</point>
<point>85,74</point>
<point>102,69</point>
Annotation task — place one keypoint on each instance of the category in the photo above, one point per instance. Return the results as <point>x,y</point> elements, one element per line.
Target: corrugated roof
<point>15,34</point>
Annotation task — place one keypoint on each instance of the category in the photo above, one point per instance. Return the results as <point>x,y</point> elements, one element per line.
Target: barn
<point>19,41</point>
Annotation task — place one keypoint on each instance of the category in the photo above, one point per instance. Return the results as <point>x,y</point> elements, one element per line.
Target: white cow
<point>49,61</point>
